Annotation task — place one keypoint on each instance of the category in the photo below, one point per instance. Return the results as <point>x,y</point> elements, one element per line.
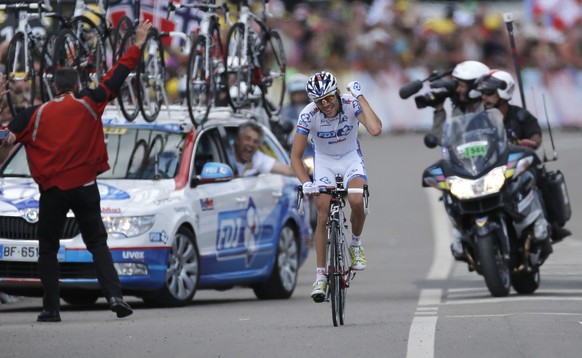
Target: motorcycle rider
<point>465,99</point>
<point>332,119</point>
<point>496,88</point>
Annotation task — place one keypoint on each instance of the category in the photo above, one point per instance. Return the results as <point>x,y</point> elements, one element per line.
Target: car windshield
<point>475,141</point>
<point>134,153</point>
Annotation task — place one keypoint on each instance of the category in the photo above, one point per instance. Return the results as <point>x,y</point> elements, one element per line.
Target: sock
<point>320,274</point>
<point>356,241</point>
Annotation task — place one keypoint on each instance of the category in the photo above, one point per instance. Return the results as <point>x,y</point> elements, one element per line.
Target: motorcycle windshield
<point>474,141</point>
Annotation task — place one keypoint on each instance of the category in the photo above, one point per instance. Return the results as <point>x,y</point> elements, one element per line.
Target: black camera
<point>444,90</point>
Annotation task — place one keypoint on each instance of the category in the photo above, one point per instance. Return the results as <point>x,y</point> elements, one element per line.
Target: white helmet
<point>297,83</point>
<point>500,81</point>
<point>469,70</point>
<point>320,84</point>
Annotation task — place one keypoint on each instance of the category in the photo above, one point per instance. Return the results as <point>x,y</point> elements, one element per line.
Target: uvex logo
<point>133,255</point>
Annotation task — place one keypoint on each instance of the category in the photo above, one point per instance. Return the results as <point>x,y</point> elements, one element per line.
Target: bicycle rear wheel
<point>274,66</point>
<point>151,71</point>
<point>47,68</point>
<point>20,84</point>
<point>238,68</point>
<point>127,97</point>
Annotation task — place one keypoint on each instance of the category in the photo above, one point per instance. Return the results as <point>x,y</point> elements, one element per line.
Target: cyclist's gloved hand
<point>310,189</point>
<point>355,89</point>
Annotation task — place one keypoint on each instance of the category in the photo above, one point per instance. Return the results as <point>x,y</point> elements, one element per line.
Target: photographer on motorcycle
<point>464,98</point>
<point>522,127</point>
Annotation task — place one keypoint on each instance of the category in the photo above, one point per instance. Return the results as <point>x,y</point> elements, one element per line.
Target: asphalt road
<point>411,301</point>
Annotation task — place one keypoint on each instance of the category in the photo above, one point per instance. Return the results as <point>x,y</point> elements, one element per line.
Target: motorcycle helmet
<point>499,81</point>
<point>470,71</point>
<point>297,83</point>
<point>320,84</point>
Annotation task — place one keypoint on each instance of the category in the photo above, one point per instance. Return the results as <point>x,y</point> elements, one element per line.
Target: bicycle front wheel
<point>20,84</point>
<point>335,272</point>
<point>238,68</point>
<point>200,82</point>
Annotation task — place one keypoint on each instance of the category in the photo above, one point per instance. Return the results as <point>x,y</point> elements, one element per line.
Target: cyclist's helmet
<point>320,84</point>
<point>497,80</point>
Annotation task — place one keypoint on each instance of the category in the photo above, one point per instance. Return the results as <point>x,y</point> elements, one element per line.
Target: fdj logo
<point>238,233</point>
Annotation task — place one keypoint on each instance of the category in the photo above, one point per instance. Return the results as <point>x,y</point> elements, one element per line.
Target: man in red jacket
<point>66,151</point>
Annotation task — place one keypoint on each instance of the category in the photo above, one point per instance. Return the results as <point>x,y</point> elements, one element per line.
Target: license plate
<point>18,252</point>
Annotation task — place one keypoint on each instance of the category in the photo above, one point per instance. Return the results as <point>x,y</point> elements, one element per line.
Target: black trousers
<point>85,204</point>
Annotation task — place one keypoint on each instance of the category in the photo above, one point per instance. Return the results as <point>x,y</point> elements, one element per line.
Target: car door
<point>263,194</point>
<point>220,211</point>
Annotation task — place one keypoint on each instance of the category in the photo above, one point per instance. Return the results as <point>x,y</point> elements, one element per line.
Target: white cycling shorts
<point>327,167</point>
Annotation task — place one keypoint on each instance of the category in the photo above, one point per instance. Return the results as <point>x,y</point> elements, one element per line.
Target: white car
<point>178,217</point>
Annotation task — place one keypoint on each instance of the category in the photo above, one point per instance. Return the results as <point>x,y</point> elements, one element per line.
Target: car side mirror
<point>431,140</point>
<point>213,172</point>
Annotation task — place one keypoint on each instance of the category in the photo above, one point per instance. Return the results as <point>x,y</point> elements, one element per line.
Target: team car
<point>178,217</point>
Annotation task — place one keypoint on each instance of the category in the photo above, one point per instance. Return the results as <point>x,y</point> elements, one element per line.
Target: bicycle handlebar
<point>333,190</point>
<point>40,6</point>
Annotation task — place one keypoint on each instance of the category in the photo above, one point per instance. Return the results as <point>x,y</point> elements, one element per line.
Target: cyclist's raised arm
<point>367,116</point>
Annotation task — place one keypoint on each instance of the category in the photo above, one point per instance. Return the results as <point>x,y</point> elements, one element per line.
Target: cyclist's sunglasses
<point>328,98</point>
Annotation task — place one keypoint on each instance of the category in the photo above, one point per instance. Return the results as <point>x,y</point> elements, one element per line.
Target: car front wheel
<point>284,275</point>
<point>182,273</point>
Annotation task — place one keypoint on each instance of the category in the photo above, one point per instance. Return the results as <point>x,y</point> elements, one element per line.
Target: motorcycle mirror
<point>431,140</point>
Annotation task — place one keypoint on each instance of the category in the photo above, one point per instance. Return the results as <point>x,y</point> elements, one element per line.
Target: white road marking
<point>515,314</point>
<point>423,328</point>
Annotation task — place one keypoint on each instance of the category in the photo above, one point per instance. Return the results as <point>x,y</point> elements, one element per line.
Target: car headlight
<point>490,183</point>
<point>122,227</point>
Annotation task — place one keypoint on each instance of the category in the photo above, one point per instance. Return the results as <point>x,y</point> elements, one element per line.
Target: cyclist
<point>496,88</point>
<point>332,120</point>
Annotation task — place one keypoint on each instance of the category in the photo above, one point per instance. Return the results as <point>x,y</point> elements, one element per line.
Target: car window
<point>269,146</point>
<point>208,149</point>
<point>142,153</point>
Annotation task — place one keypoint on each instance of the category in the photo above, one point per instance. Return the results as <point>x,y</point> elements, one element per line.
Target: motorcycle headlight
<point>128,226</point>
<point>490,183</point>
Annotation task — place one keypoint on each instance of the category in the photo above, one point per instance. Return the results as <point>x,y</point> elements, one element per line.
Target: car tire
<point>80,297</point>
<point>283,278</point>
<point>182,275</point>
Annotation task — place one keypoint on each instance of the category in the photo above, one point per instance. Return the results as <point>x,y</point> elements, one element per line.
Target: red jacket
<point>64,138</point>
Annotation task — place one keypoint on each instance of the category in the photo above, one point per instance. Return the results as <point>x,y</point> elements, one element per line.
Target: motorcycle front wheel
<point>494,268</point>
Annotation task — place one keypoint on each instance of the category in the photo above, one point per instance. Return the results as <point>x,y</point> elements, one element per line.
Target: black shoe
<point>120,307</point>
<point>49,316</point>
<point>559,233</point>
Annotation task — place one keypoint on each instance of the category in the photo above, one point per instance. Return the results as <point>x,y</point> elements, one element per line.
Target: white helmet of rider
<point>499,81</point>
<point>469,70</point>
<point>320,84</point>
<point>297,83</point>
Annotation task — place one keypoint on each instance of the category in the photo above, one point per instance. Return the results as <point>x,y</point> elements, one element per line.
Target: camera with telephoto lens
<point>443,90</point>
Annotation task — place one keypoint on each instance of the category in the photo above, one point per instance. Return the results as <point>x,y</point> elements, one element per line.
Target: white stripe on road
<point>422,332</point>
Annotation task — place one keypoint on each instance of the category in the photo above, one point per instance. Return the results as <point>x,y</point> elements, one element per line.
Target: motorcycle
<point>489,190</point>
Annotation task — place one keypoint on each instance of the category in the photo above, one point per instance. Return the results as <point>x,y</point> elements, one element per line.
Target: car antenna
<point>555,154</point>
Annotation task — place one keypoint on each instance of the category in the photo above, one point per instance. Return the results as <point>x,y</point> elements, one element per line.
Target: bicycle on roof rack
<point>205,59</point>
<point>24,52</point>
<point>255,62</point>
<point>339,271</point>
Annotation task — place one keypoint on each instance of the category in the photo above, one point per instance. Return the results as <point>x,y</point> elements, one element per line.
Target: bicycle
<point>255,62</point>
<point>205,61</point>
<point>81,43</point>
<point>24,52</point>
<point>339,271</point>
